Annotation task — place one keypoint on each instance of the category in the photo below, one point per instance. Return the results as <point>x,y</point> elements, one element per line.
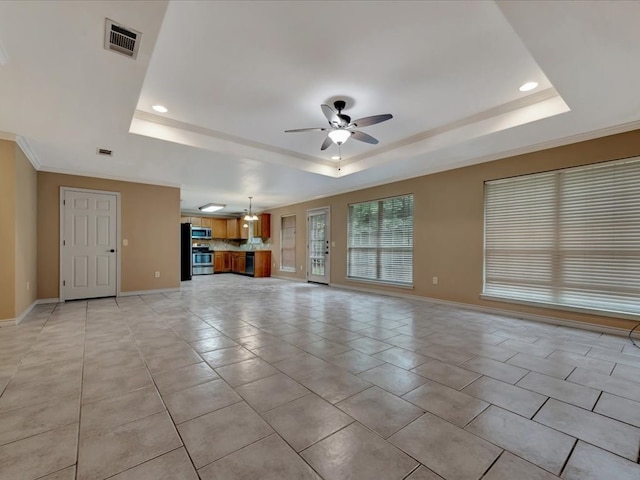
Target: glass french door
<point>318,245</point>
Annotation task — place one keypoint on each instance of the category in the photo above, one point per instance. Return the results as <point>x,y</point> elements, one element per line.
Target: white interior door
<point>89,243</point>
<point>318,245</point>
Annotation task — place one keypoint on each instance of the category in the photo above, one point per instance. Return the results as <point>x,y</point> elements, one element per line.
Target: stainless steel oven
<point>202,263</point>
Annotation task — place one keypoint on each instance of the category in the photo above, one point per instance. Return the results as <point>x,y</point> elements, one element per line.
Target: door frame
<point>63,190</point>
<point>327,263</point>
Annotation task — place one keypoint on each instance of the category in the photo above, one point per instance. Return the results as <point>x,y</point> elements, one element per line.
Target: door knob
<point>112,250</point>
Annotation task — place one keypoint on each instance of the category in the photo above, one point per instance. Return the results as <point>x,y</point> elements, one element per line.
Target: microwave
<point>201,232</point>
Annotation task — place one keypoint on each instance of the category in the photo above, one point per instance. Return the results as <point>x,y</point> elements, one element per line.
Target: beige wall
<point>150,215</point>
<point>7,229</point>
<point>18,190</point>
<point>25,232</point>
<point>449,222</point>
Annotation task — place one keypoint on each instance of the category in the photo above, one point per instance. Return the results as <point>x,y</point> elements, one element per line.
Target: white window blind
<point>380,240</point>
<point>288,243</point>
<point>566,238</point>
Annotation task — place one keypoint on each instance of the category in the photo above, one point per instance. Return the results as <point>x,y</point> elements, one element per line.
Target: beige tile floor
<point>237,378</point>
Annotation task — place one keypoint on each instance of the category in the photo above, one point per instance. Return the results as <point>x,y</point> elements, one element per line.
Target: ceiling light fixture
<point>250,217</point>
<point>339,136</point>
<point>335,157</point>
<point>211,207</point>
<point>160,108</point>
<point>528,86</point>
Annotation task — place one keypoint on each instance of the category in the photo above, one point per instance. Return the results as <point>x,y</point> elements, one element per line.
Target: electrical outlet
<point>435,280</point>
<point>28,285</point>
<point>300,267</point>
<point>274,266</point>
<point>157,274</point>
<point>125,242</point>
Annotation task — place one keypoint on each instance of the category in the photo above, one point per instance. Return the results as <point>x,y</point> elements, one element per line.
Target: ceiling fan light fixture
<point>339,136</point>
<point>211,207</point>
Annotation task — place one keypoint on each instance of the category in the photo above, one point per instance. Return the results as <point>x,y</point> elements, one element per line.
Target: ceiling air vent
<point>104,151</point>
<point>121,39</point>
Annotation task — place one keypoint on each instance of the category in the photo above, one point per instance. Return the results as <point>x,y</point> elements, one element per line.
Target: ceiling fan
<point>341,128</point>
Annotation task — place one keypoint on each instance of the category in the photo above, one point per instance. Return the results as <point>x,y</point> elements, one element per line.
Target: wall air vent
<point>104,151</point>
<point>121,39</point>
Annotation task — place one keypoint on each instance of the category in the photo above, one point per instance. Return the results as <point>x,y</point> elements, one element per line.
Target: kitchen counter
<point>236,261</point>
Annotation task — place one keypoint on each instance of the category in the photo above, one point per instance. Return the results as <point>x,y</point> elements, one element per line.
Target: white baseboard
<point>497,311</point>
<point>149,292</point>
<point>19,318</point>
<point>44,301</point>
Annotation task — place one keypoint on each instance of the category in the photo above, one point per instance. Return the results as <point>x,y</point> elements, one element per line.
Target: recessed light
<point>528,86</point>
<point>211,207</point>
<point>336,157</point>
<point>160,108</point>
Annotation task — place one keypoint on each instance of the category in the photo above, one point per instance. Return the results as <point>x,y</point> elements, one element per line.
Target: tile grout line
<point>566,461</point>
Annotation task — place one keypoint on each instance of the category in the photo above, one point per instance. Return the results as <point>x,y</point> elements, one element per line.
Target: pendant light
<point>250,217</point>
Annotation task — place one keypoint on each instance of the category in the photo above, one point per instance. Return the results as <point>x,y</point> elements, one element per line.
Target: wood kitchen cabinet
<point>185,219</point>
<point>219,228</point>
<point>222,262</point>
<point>262,226</point>
<point>196,221</point>
<point>232,228</point>
<point>244,232</point>
<point>238,262</point>
<point>262,263</point>
<point>205,222</point>
<point>218,262</point>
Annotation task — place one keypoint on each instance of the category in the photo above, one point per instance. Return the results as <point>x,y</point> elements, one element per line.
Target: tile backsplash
<point>234,245</point>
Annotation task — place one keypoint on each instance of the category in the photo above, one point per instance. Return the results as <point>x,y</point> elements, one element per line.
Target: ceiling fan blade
<point>326,144</point>
<point>366,121</point>
<point>318,129</point>
<point>363,137</point>
<point>332,116</point>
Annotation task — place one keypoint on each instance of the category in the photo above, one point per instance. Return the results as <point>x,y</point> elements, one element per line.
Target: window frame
<point>379,249</point>
<point>564,293</point>
<point>286,268</point>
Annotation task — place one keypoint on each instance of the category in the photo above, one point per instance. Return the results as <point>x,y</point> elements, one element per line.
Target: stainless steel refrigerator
<point>185,252</point>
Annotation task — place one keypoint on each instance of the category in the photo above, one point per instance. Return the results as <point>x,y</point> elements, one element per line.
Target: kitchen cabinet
<point>244,232</point>
<point>238,262</point>
<point>205,222</point>
<point>232,229</point>
<point>196,221</point>
<point>262,263</point>
<point>185,219</point>
<point>227,262</point>
<point>262,226</point>
<point>218,262</point>
<point>219,227</point>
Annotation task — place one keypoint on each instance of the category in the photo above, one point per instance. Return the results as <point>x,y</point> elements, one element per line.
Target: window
<point>288,243</point>
<point>380,240</point>
<point>568,238</point>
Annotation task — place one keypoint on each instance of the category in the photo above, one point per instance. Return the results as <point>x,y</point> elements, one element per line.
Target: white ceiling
<point>234,75</point>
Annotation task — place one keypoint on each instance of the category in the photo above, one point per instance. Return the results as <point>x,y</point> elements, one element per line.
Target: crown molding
<point>118,178</point>
<point>26,149</point>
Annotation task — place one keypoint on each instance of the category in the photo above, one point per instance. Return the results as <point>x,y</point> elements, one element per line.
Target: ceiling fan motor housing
<point>346,119</point>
